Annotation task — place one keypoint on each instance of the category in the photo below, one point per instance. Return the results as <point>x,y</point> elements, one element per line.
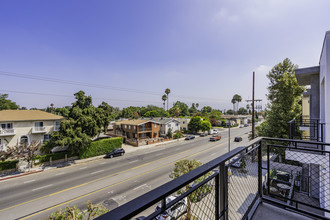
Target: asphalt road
<point>110,181</point>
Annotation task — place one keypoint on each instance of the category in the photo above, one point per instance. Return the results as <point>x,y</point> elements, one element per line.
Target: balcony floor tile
<point>267,211</point>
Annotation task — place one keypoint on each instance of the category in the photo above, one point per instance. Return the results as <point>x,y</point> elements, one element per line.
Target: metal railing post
<point>223,184</point>
<point>260,189</point>
<point>268,170</point>
<point>217,197</point>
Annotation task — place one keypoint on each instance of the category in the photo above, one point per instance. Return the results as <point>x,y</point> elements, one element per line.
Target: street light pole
<point>229,135</point>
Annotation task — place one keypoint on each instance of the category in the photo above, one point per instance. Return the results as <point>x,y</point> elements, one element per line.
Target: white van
<point>213,131</point>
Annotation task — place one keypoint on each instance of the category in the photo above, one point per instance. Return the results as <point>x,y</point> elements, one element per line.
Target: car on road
<point>115,152</point>
<point>190,137</point>
<point>238,139</point>
<point>203,134</point>
<point>237,163</point>
<point>175,211</point>
<point>213,131</point>
<point>215,138</point>
<point>246,125</point>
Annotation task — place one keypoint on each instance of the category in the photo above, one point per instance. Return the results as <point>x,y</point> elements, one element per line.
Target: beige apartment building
<point>26,126</point>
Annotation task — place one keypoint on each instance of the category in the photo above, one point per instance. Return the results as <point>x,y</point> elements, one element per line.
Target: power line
<point>99,86</point>
<point>67,96</point>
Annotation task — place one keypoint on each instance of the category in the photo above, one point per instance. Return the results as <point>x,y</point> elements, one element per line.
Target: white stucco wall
<point>26,128</point>
<point>325,86</point>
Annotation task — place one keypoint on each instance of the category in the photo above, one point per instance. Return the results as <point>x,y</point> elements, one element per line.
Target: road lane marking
<point>42,187</point>
<point>140,186</point>
<point>82,168</point>
<point>58,174</point>
<point>213,154</point>
<point>92,181</point>
<point>99,171</point>
<point>29,181</point>
<point>133,161</point>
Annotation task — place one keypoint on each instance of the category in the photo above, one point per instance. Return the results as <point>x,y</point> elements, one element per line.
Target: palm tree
<point>233,101</point>
<point>167,91</point>
<point>197,105</point>
<point>164,98</point>
<point>236,100</point>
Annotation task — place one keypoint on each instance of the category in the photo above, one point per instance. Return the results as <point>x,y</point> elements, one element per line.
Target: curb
<point>23,174</point>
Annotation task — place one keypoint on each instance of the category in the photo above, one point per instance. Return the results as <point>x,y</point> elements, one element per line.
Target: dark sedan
<point>115,152</point>
<point>238,139</point>
<point>190,137</point>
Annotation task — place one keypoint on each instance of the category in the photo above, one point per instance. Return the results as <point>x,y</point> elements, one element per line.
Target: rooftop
<point>134,122</point>
<point>27,115</point>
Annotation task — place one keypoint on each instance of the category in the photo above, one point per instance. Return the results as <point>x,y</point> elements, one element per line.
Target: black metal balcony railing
<point>233,185</point>
<point>305,128</point>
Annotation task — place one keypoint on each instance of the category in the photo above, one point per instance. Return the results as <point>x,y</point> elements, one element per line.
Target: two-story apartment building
<point>135,131</point>
<point>25,126</point>
<point>166,124</point>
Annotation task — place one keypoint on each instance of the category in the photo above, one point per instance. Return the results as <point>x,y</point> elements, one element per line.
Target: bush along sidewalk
<point>101,147</point>
<point>7,165</point>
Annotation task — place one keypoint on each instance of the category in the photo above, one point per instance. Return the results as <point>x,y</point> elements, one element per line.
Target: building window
<point>38,124</point>
<point>169,125</point>
<point>124,126</point>
<point>24,139</point>
<point>155,134</point>
<point>7,125</point>
<point>46,137</point>
<point>183,122</point>
<point>155,125</point>
<point>177,124</point>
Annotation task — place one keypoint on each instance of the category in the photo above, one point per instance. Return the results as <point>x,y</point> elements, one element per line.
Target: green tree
<point>284,102</point>
<point>179,109</point>
<point>182,167</point>
<point>167,91</point>
<point>63,112</point>
<point>236,100</point>
<point>242,111</point>
<point>195,124</point>
<point>230,112</point>
<point>193,110</point>
<point>164,98</point>
<point>150,114</point>
<point>130,112</point>
<point>83,123</point>
<point>205,125</point>
<point>169,133</point>
<point>6,104</point>
<point>206,109</point>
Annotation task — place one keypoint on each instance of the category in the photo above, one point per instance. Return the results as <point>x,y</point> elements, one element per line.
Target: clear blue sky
<point>204,51</point>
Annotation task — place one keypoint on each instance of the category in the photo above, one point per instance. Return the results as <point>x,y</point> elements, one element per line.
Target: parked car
<point>190,137</point>
<point>238,139</point>
<point>175,211</point>
<point>215,138</point>
<point>237,162</point>
<point>201,192</point>
<point>115,152</point>
<point>246,125</point>
<point>213,131</point>
<point>203,134</point>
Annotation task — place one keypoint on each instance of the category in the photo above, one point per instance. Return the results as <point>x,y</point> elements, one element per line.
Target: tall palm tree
<point>167,91</point>
<point>164,98</point>
<point>197,105</point>
<point>236,100</point>
<point>233,101</point>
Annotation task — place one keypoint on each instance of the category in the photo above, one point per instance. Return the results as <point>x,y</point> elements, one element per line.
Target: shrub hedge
<point>54,156</point>
<point>100,147</point>
<point>9,164</point>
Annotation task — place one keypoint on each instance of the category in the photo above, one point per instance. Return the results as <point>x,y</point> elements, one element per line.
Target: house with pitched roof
<point>25,126</point>
<point>166,124</point>
<point>136,131</point>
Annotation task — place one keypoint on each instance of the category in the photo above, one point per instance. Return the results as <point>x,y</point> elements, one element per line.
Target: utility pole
<point>253,107</point>
<point>229,135</point>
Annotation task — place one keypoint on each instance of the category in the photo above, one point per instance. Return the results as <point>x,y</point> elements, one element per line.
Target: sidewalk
<point>128,149</point>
